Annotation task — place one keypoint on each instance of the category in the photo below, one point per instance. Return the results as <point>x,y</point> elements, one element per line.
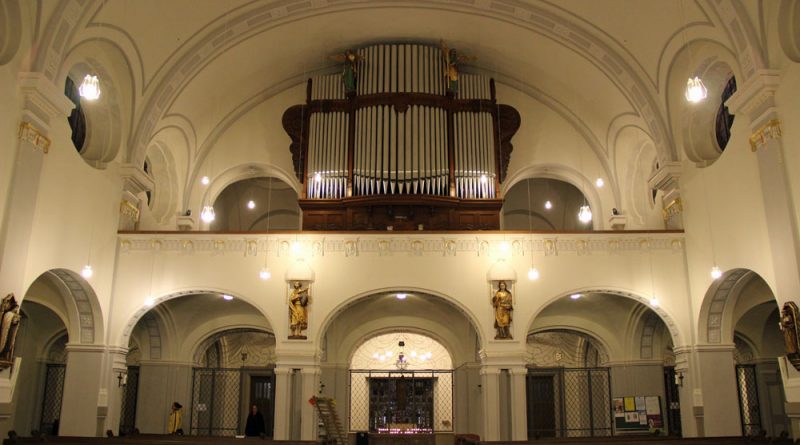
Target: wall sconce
<point>122,378</point>
<point>679,379</point>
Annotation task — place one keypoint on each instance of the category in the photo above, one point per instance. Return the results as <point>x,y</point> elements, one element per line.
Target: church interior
<point>515,219</point>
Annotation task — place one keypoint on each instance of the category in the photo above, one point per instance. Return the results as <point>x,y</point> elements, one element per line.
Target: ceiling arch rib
<point>628,79</point>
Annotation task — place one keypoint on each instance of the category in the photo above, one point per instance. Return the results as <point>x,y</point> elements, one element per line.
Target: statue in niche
<point>451,61</point>
<point>503,307</point>
<point>9,323</point>
<point>789,317</point>
<point>298,315</point>
<point>349,71</point>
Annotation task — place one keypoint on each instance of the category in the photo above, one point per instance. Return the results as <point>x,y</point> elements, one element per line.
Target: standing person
<point>174,423</point>
<point>255,423</point>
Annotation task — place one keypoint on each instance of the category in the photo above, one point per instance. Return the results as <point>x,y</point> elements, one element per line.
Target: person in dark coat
<point>255,423</point>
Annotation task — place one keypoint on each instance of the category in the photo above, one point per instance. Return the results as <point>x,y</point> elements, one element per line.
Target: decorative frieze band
<point>769,131</point>
<point>516,246</point>
<point>30,134</point>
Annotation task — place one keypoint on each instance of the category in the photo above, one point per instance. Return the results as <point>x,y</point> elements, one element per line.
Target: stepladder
<point>326,408</point>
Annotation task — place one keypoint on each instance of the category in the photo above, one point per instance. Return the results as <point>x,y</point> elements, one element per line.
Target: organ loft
<point>401,140</point>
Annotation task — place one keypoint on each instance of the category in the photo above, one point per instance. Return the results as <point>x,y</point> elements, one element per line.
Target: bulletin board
<point>637,414</point>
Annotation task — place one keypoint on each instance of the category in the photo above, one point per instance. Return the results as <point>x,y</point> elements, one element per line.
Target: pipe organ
<point>399,141</point>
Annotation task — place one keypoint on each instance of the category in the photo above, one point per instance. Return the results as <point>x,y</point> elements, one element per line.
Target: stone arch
<point>166,296</point>
<point>667,318</point>
<point>581,331</point>
<point>694,123</point>
<point>10,30</point>
<point>733,18</point>
<point>83,317</point>
<point>391,330</point>
<point>164,199</point>
<point>107,118</point>
<point>789,29</point>
<point>647,338</point>
<point>341,307</point>
<point>199,347</point>
<point>566,174</point>
<point>716,323</point>
<point>235,174</point>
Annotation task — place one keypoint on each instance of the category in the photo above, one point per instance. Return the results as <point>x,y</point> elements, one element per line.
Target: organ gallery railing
<point>400,139</point>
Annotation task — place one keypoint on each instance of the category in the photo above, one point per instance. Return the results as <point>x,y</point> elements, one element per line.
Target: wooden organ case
<point>401,140</point>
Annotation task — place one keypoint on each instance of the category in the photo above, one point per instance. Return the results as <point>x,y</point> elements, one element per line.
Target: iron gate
<point>671,391</point>
<point>130,393</point>
<point>51,400</point>
<point>569,402</point>
<point>219,404</point>
<point>749,407</point>
<point>407,401</point>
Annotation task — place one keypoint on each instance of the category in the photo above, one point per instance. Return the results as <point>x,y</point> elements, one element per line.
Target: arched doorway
<point>213,353</point>
<point>597,365</point>
<point>740,308</point>
<point>362,344</point>
<point>401,383</point>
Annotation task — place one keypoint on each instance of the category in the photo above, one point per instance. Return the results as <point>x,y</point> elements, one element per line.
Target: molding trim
<point>412,245</point>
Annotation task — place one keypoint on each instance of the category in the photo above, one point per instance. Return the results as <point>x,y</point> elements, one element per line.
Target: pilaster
<point>115,387</point>
<point>717,392</point>
<point>490,391</point>
<point>282,402</point>
<point>134,182</point>
<point>82,383</point>
<point>42,103</point>
<point>756,101</point>
<point>519,403</point>
<point>308,422</point>
<point>666,179</point>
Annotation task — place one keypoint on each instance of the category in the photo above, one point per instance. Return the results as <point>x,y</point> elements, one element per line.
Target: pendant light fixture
<point>265,274</point>
<point>716,272</point>
<point>533,272</point>
<point>585,212</point>
<point>208,215</point>
<point>90,87</point>
<point>695,90</point>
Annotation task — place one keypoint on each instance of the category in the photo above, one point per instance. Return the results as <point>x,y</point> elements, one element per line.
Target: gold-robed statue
<point>451,60</point>
<point>9,323</point>
<point>298,315</point>
<point>503,307</point>
<point>791,338</point>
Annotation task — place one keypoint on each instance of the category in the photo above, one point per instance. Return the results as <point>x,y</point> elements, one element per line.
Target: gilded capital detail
<point>127,208</point>
<point>770,130</point>
<point>675,207</point>
<point>29,133</point>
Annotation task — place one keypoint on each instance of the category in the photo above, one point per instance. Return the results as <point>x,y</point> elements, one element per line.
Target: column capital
<point>756,97</point>
<point>42,101</point>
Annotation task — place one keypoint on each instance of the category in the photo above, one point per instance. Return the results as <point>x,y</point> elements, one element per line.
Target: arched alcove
<point>544,204</point>
<point>256,205</point>
<point>593,347</point>
<point>695,124</point>
<point>212,352</point>
<point>41,356</point>
<point>10,30</point>
<point>376,323</point>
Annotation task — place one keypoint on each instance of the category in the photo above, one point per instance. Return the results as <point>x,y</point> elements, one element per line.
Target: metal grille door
<point>51,402</point>
<point>673,402</point>
<point>748,399</point>
<point>401,401</point>
<point>127,418</point>
<point>221,399</point>
<point>569,402</point>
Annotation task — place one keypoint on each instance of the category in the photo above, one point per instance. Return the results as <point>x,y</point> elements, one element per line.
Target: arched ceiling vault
<point>205,59</point>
